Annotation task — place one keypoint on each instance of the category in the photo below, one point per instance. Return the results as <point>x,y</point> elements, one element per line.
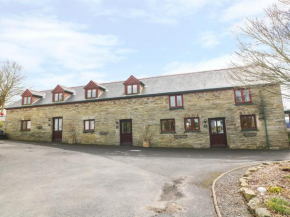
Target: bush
<point>275,190</point>
<point>1,125</point>
<point>279,205</point>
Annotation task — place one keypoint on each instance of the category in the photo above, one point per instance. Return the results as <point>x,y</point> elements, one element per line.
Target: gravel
<point>229,198</point>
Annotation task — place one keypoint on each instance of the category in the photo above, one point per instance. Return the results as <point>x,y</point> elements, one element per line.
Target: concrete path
<point>53,180</point>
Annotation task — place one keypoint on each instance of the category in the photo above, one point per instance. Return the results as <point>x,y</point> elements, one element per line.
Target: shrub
<point>279,205</point>
<point>1,125</point>
<point>275,190</point>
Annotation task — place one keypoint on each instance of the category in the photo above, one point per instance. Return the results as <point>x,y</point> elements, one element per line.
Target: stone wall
<point>148,111</point>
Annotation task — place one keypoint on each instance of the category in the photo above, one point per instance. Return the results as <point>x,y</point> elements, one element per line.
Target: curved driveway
<point>53,180</point>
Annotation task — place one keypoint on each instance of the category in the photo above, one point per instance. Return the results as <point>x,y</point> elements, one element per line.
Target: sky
<point>72,42</point>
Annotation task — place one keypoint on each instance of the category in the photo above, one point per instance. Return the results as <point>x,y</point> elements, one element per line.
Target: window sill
<point>86,131</point>
<point>244,103</point>
<point>176,108</point>
<point>245,130</point>
<point>168,132</point>
<point>25,130</point>
<point>192,131</point>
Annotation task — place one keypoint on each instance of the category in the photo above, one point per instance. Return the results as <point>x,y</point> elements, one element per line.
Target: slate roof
<point>68,89</point>
<point>37,93</point>
<point>196,81</point>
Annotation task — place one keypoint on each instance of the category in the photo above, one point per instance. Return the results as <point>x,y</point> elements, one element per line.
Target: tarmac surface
<point>60,180</point>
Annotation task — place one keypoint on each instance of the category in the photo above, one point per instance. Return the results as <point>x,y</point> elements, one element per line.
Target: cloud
<point>63,47</point>
<point>206,64</point>
<point>37,2</point>
<point>240,9</point>
<point>50,80</point>
<point>167,12</point>
<point>208,39</point>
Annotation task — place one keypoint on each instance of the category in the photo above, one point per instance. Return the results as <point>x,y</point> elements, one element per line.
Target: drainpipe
<point>265,120</point>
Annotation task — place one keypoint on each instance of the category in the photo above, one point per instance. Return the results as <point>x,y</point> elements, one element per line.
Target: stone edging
<point>213,187</point>
<point>255,203</point>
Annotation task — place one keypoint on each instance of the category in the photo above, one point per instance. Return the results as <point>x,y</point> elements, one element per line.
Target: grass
<point>279,205</point>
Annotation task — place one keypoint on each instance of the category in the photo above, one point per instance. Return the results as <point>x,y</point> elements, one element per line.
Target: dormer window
<point>93,90</point>
<point>31,96</point>
<point>132,89</point>
<point>61,93</point>
<point>92,93</point>
<point>26,100</point>
<point>58,97</point>
<point>133,86</point>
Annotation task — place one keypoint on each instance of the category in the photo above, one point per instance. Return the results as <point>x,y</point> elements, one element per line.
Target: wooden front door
<point>217,131</point>
<point>57,129</point>
<point>126,132</point>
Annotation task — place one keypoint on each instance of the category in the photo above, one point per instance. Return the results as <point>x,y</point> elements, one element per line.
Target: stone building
<point>194,110</point>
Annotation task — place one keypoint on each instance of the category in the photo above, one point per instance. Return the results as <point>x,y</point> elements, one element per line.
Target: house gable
<point>93,86</point>
<point>129,85</point>
<point>66,92</point>
<point>33,95</point>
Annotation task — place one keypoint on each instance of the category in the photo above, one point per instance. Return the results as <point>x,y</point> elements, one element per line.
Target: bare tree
<point>11,82</point>
<point>264,48</point>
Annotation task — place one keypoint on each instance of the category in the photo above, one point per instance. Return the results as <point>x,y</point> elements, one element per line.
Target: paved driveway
<point>77,180</point>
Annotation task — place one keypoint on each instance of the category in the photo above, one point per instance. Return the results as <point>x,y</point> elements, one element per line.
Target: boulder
<point>248,193</point>
<point>253,169</point>
<point>243,182</point>
<point>253,204</point>
<point>262,212</point>
<point>247,173</point>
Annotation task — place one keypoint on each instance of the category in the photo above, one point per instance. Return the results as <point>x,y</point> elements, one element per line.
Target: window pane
<point>246,96</point>
<point>244,122</point>
<point>60,96</point>
<point>92,125</point>
<point>129,89</point>
<point>126,127</point>
<point>60,124</point>
<point>87,125</point>
<point>163,125</point>
<point>251,121</point>
<point>56,97</point>
<point>188,124</point>
<point>179,100</point>
<point>28,124</point>
<point>213,127</point>
<point>94,93</point>
<point>196,124</point>
<point>135,88</point>
<point>28,100</point>
<point>55,124</point>
<point>220,126</point>
<point>25,101</point>
<point>238,95</point>
<point>24,125</point>
<point>172,101</point>
<point>89,93</point>
<point>171,125</point>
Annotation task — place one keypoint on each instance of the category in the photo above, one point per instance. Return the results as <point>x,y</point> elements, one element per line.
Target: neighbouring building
<point>194,110</point>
